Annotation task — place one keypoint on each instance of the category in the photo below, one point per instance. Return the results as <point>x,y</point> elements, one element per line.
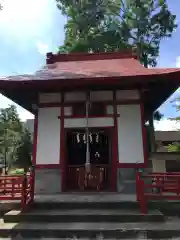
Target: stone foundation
<point>126,180</point>
<point>47,181</point>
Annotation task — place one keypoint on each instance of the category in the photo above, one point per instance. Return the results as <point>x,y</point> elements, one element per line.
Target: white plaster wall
<point>75,97</point>
<point>101,96</point>
<point>130,143</point>
<point>127,95</point>
<point>92,122</point>
<point>48,141</point>
<point>49,98</point>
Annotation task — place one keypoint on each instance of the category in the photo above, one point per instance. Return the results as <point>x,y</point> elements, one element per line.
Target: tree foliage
<point>115,25</point>
<point>24,150</point>
<point>10,127</point>
<point>11,136</point>
<point>107,26</point>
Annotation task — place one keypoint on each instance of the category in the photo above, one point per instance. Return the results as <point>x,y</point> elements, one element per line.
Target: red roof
<point>105,65</point>
<point>96,70</point>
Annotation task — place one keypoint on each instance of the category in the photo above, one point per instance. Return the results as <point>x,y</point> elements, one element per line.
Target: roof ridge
<point>67,57</point>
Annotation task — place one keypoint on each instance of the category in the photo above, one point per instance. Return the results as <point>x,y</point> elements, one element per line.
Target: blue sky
<point>30,28</point>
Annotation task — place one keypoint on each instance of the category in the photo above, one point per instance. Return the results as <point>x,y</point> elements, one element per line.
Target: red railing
<point>156,186</point>
<point>18,188</point>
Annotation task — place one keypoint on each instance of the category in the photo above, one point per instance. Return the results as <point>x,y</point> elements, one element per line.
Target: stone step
<point>83,215</point>
<point>86,204</point>
<point>166,230</point>
<point>18,237</point>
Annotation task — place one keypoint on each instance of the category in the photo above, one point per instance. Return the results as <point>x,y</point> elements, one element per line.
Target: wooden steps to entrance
<point>82,215</point>
<point>87,219</point>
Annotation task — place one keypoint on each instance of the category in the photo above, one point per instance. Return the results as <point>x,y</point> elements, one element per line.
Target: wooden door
<point>98,177</point>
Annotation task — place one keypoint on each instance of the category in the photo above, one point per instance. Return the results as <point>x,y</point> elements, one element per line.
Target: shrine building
<point>90,113</point>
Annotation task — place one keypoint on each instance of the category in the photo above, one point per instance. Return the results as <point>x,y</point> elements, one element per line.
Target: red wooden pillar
<point>144,135</point>
<point>114,148</point>
<point>35,136</point>
<point>62,159</point>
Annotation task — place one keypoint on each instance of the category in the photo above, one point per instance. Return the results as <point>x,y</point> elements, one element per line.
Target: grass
<point>17,171</point>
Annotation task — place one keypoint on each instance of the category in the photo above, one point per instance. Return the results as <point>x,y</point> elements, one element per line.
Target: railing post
<point>32,182</point>
<point>178,183</point>
<point>23,197</point>
<point>137,185</point>
<point>142,197</point>
<point>13,187</point>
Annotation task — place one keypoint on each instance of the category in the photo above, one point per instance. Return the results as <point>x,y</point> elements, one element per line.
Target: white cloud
<point>24,115</point>
<point>42,47</point>
<point>166,125</point>
<point>178,62</point>
<point>23,18</point>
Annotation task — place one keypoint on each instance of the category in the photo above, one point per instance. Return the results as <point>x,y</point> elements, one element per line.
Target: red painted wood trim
<point>105,103</point>
<point>35,136</point>
<point>62,160</point>
<point>48,166</point>
<point>63,57</point>
<point>114,148</point>
<point>48,105</point>
<point>70,104</point>
<point>144,135</point>
<point>127,102</point>
<point>130,165</point>
<point>83,116</point>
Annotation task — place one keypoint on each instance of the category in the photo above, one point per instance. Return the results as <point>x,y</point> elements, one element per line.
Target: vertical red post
<point>23,197</point>
<point>137,185</point>
<point>35,138</point>
<point>114,147</point>
<point>178,183</point>
<point>62,161</point>
<point>142,197</point>
<point>13,186</point>
<point>32,182</point>
<point>144,135</point>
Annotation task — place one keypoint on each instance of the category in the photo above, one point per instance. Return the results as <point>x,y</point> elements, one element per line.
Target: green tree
<point>10,130</point>
<point>15,140</point>
<point>107,26</point>
<point>24,151</point>
<point>110,26</point>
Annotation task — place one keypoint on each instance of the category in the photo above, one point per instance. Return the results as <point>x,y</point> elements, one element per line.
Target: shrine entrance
<point>95,177</point>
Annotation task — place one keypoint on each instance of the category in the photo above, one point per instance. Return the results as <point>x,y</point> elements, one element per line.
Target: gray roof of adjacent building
<point>167,136</point>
